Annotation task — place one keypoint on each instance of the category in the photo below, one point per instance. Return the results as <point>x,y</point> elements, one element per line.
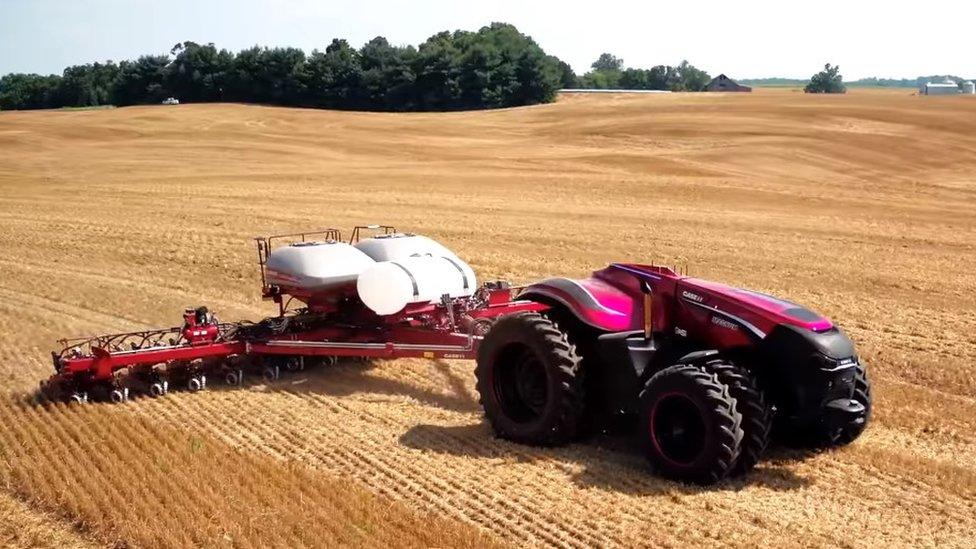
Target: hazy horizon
<point>760,39</point>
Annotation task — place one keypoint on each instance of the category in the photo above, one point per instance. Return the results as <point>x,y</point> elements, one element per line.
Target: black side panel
<point>624,357</point>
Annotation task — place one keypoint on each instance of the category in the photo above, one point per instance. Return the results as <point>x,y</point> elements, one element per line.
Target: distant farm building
<point>968,88</point>
<point>722,83</point>
<point>946,87</point>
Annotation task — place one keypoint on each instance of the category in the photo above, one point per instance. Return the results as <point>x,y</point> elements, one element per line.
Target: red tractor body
<point>643,318</point>
<point>611,301</point>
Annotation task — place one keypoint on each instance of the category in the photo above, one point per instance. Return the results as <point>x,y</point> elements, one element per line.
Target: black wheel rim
<point>520,383</point>
<point>678,429</point>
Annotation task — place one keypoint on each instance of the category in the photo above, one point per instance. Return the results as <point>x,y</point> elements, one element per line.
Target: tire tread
<point>721,404</point>
<point>757,414</point>
<point>566,364</point>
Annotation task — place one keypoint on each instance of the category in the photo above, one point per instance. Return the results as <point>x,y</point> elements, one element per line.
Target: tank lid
<point>313,243</point>
<point>393,235</point>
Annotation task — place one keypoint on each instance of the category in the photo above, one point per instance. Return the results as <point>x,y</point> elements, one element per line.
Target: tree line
<point>869,82</point>
<point>497,66</point>
<point>608,72</point>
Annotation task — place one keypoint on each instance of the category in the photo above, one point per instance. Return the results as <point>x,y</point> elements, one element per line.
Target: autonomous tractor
<point>705,374</point>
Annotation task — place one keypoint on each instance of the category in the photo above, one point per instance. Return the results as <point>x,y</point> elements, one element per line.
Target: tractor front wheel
<point>690,427</point>
<point>750,402</point>
<point>862,394</point>
<point>530,380</point>
<point>828,434</point>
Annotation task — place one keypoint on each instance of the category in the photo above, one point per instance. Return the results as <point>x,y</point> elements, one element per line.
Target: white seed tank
<point>316,266</point>
<point>396,246</point>
<point>410,269</point>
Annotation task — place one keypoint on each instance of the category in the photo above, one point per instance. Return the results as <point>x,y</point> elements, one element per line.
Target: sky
<point>743,39</point>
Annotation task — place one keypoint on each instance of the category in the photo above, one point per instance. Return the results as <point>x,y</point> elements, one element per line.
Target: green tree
<point>437,68</point>
<point>601,80</point>
<point>567,78</point>
<point>243,78</point>
<point>635,79</point>
<point>198,73</point>
<point>479,63</point>
<point>828,80</point>
<point>539,76</point>
<point>387,77</point>
<point>263,75</point>
<point>525,75</point>
<point>284,75</point>
<point>501,67</point>
<point>690,78</point>
<point>658,77</point>
<point>606,74</point>
<point>333,77</point>
<point>141,81</point>
<point>608,62</point>
<point>87,85</point>
<point>28,91</point>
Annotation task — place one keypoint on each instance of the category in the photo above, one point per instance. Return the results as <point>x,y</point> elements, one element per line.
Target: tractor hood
<point>610,300</point>
<point>773,310</point>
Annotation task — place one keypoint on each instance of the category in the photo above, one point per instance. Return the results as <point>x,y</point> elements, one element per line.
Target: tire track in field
<point>61,309</point>
<point>300,448</point>
<point>833,468</point>
<point>526,504</point>
<point>949,509</point>
<point>150,287</point>
<point>22,526</point>
<point>282,441</point>
<point>514,506</point>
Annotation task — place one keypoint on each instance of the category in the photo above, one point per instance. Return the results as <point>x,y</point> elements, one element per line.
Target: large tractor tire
<point>689,425</point>
<point>530,380</point>
<point>598,415</point>
<point>750,402</point>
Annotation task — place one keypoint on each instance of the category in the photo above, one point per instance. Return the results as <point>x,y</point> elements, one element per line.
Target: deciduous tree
<point>828,80</point>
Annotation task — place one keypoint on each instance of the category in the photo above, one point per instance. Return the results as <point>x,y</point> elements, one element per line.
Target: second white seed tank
<point>410,269</point>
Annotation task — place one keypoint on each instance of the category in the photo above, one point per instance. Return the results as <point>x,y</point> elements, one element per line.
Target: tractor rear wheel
<point>757,414</point>
<point>690,428</point>
<point>530,380</point>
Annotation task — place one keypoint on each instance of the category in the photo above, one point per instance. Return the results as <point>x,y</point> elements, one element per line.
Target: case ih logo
<point>719,321</point>
<point>694,297</point>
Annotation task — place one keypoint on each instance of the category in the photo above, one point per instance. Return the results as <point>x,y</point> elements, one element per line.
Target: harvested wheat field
<point>861,206</point>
